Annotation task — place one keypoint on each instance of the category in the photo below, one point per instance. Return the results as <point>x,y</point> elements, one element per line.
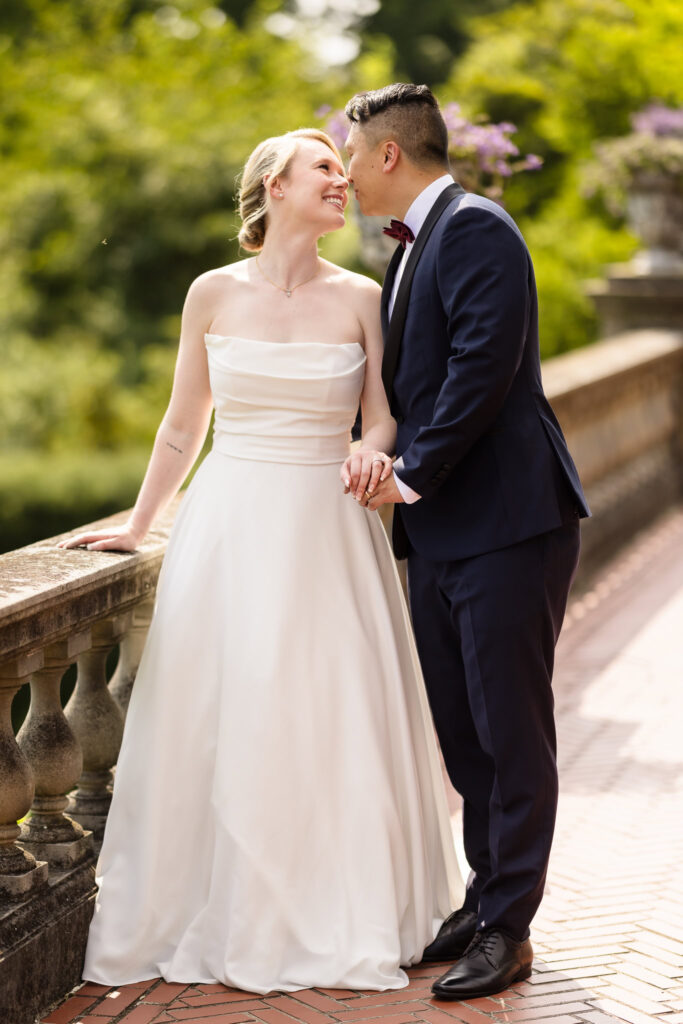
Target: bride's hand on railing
<point>362,471</point>
<point>120,538</point>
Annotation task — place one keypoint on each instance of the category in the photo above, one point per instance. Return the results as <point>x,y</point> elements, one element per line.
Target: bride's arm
<point>379,426</point>
<point>179,438</point>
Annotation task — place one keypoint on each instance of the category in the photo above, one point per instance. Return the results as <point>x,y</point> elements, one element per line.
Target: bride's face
<point>315,188</point>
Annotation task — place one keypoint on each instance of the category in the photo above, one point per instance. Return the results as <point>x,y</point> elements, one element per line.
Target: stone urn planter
<point>640,176</point>
<point>654,210</point>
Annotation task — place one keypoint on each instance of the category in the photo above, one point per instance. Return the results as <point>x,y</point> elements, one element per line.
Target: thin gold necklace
<point>287,291</point>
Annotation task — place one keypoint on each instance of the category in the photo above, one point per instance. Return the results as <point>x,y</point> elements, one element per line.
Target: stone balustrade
<point>60,607</point>
<point>620,403</point>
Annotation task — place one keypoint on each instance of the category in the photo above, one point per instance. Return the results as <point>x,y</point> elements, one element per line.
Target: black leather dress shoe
<point>454,936</point>
<point>491,962</point>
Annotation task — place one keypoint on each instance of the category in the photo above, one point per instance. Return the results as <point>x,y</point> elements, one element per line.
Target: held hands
<point>368,476</point>
<point>122,538</point>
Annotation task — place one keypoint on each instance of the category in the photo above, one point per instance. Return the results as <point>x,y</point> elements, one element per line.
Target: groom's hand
<point>386,493</point>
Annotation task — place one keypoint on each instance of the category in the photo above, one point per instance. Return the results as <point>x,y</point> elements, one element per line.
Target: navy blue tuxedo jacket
<point>478,438</point>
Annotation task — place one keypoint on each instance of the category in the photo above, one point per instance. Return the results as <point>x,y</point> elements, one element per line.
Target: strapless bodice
<point>284,402</point>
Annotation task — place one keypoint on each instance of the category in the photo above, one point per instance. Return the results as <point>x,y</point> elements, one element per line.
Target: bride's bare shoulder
<point>215,283</point>
<point>357,288</point>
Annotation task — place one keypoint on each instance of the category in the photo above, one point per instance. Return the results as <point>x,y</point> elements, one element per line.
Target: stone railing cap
<point>41,575</point>
<point>608,358</point>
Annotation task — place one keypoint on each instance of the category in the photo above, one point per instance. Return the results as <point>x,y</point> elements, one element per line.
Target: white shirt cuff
<point>407,493</point>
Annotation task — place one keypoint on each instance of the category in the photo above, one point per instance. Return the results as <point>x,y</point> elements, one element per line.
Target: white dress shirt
<point>415,218</point>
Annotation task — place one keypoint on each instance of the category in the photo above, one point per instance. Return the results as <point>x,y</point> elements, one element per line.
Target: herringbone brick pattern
<point>609,935</point>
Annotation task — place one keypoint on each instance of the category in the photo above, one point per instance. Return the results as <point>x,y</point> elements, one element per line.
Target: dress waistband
<point>313,450</point>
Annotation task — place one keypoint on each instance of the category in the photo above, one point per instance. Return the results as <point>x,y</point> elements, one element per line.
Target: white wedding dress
<point>279,819</point>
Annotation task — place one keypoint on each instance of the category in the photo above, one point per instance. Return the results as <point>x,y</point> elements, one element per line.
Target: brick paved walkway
<point>609,935</point>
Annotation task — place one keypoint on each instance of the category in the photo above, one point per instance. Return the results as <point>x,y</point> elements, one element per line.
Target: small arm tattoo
<point>174,447</point>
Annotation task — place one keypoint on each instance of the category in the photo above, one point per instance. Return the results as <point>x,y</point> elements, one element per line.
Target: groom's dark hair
<point>409,114</point>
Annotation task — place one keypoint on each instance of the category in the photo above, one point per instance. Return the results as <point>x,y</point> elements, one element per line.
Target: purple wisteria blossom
<point>337,127</point>
<point>483,154</point>
<point>658,120</point>
<point>488,143</point>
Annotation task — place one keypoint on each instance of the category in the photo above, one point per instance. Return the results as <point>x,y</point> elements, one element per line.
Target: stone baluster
<point>132,644</point>
<point>97,722</point>
<point>20,873</point>
<point>56,759</point>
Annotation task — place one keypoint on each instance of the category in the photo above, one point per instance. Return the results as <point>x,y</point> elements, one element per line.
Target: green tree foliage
<point>122,139</point>
<point>42,497</point>
<point>427,39</point>
<point>568,74</point>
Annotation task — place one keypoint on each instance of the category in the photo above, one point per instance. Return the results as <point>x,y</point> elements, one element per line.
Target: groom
<point>487,507</point>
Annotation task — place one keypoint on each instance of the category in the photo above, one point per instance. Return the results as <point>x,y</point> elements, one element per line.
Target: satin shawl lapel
<point>388,285</point>
<point>394,334</point>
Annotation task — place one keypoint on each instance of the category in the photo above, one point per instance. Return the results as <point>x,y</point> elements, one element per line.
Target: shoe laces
<point>484,942</point>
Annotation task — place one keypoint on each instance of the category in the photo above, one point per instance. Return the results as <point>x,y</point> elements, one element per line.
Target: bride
<point>278,819</point>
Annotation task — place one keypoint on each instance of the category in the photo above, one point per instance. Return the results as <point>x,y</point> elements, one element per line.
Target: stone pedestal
<point>635,298</point>
<point>42,944</point>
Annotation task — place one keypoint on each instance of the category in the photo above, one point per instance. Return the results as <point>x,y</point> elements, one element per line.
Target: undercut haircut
<point>408,114</point>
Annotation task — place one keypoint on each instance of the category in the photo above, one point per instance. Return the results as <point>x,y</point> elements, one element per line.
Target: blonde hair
<point>271,157</point>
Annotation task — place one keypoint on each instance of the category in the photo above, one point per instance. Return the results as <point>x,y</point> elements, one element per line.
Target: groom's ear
<point>390,154</point>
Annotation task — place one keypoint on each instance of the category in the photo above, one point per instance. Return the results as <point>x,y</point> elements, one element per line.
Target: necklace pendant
<point>288,292</point>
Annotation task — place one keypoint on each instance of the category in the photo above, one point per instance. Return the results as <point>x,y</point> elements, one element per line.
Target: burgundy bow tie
<point>400,231</point>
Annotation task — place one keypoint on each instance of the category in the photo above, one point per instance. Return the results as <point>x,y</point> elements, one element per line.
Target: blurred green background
<point>123,125</point>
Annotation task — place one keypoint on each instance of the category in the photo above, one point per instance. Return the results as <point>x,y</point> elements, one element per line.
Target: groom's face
<point>365,173</point>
